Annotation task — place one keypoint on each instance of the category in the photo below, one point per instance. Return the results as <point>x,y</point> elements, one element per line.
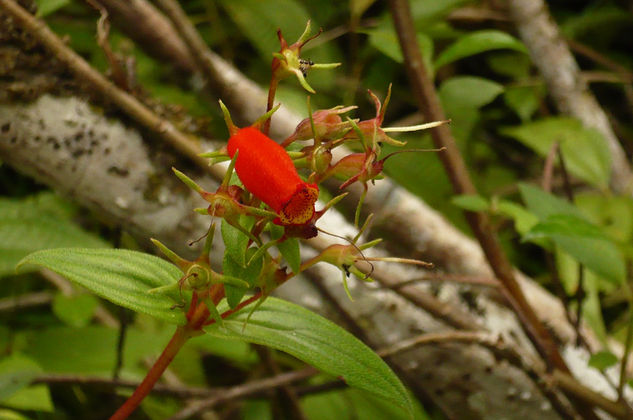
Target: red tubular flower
<point>268,173</point>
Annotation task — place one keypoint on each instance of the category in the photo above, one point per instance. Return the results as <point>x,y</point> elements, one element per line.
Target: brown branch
<point>108,91</point>
<point>247,389</point>
<point>561,73</point>
<point>429,104</point>
<point>25,301</point>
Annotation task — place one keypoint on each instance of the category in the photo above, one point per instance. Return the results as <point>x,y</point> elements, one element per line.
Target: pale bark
<point>108,168</point>
<point>561,73</point>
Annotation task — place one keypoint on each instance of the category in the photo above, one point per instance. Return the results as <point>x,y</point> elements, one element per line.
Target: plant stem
<point>180,337</point>
<point>272,90</point>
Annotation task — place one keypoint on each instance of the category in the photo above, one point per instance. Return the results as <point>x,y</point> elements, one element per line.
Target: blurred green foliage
<point>502,119</point>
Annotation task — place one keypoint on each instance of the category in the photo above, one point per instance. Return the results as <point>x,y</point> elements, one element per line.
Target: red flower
<point>268,173</point>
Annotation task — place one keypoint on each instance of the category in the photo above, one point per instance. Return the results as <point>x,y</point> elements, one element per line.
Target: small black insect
<point>304,66</point>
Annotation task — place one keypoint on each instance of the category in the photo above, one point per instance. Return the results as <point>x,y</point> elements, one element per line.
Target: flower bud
<point>267,171</point>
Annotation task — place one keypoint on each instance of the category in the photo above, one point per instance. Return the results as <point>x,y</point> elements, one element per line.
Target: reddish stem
<point>197,314</point>
<point>272,90</point>
<point>180,337</point>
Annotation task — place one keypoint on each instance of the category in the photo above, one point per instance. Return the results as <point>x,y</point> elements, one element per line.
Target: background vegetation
<point>574,239</point>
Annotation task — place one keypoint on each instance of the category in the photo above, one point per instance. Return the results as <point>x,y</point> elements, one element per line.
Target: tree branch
<point>560,71</point>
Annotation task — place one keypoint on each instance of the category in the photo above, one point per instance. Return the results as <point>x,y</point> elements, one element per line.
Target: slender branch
<point>625,356</point>
<point>429,104</point>
<point>108,91</point>
<point>241,391</point>
<point>551,55</point>
<point>179,338</point>
<point>25,301</point>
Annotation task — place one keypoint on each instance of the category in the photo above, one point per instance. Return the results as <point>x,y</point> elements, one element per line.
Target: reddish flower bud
<point>267,171</point>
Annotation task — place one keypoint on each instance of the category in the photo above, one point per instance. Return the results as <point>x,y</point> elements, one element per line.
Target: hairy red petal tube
<point>268,173</point>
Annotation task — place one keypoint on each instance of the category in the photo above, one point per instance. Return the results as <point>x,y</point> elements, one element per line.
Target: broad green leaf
<point>38,222</point>
<point>587,243</point>
<point>16,372</point>
<point>289,249</point>
<point>510,64</point>
<point>77,310</point>
<point>523,100</point>
<point>259,21</point>
<point>603,359</point>
<point>46,7</point>
<point>247,272</point>
<point>613,213</point>
<point>585,151</point>
<point>120,276</point>
<point>478,42</point>
<point>468,92</point>
<point>234,261</point>
<point>11,415</point>
<point>317,341</point>
<point>471,202</point>
<point>235,242</point>
<point>426,12</point>
<point>566,225</point>
<point>351,403</point>
<point>91,350</point>
<point>544,204</point>
<point>523,219</point>
<point>385,40</point>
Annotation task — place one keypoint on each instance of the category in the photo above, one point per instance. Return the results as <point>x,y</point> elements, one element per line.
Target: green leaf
<point>91,350</point>
<point>289,249</point>
<point>352,403</point>
<point>566,225</point>
<point>248,273</point>
<point>235,242</point>
<point>523,100</point>
<point>77,310</point>
<point>468,92</point>
<point>523,219</point>
<point>603,359</point>
<point>120,276</point>
<point>38,222</point>
<point>544,204</point>
<point>584,149</point>
<point>385,40</point>
<point>259,21</point>
<point>46,7</point>
<point>317,341</point>
<point>471,202</point>
<point>427,12</point>
<point>16,372</point>
<point>587,243</point>
<point>11,415</point>
<point>478,42</point>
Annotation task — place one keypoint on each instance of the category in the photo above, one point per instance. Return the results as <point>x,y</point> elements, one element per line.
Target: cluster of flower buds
<point>270,194</point>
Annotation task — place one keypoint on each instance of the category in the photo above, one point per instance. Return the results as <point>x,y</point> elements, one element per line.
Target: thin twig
<point>429,104</point>
<point>266,354</point>
<point>625,356</point>
<point>452,278</point>
<point>108,91</point>
<point>548,167</point>
<point>244,390</point>
<point>25,301</point>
